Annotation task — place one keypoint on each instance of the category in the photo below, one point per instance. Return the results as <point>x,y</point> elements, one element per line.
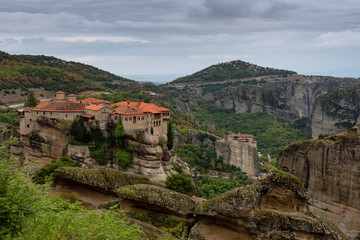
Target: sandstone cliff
<point>288,99</point>
<point>240,155</point>
<point>330,170</point>
<point>43,144</point>
<point>274,207</point>
<point>336,111</point>
<point>151,157</point>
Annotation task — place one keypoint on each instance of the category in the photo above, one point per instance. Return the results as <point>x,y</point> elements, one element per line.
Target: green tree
<point>212,164</point>
<point>123,158</point>
<point>119,134</point>
<point>170,136</point>
<point>79,132</point>
<point>31,101</point>
<point>219,166</point>
<point>181,183</point>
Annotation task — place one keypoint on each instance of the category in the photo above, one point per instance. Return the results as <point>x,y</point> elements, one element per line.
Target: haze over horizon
<point>176,38</point>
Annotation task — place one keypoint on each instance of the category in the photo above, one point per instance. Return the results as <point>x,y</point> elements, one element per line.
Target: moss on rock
<point>239,202</point>
<point>103,179</point>
<point>166,199</point>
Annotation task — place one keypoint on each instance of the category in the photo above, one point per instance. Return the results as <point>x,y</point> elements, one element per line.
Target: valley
<point>196,158</point>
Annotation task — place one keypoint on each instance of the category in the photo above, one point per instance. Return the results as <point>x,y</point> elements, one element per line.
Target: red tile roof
<point>92,100</point>
<point>127,111</point>
<point>141,106</point>
<point>94,107</point>
<point>56,106</point>
<point>71,95</point>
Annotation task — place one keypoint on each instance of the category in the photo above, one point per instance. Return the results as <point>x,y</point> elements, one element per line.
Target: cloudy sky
<point>135,37</point>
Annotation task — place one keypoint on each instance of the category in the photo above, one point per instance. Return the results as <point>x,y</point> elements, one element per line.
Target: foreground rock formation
<point>274,207</point>
<point>330,170</point>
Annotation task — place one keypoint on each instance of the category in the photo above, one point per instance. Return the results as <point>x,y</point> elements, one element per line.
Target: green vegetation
<point>123,158</point>
<point>197,155</point>
<point>78,132</point>
<point>45,174</point>
<point>170,136</point>
<point>231,70</point>
<point>31,101</point>
<point>273,135</point>
<point>28,213</point>
<point>180,183</point>
<point>8,116</point>
<point>212,187</point>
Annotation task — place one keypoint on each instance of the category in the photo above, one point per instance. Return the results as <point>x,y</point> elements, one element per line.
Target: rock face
<point>239,154</point>
<point>336,111</point>
<point>288,99</point>
<point>103,179</point>
<point>156,196</point>
<point>150,159</point>
<point>274,207</point>
<point>45,143</point>
<point>81,154</point>
<point>330,170</point>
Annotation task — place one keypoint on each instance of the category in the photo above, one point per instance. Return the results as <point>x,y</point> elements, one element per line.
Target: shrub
<point>322,136</point>
<point>143,217</point>
<point>123,158</point>
<point>101,154</point>
<point>46,173</point>
<point>181,183</point>
<point>161,220</point>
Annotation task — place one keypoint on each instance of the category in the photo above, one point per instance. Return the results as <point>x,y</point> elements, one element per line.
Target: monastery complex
<point>97,113</point>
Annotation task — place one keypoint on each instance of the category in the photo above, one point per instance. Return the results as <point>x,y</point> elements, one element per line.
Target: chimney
<point>128,103</point>
<point>151,101</point>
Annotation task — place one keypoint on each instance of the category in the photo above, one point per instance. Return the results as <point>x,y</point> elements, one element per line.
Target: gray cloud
<point>168,36</point>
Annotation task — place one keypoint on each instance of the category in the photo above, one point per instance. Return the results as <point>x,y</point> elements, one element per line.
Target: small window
<point>142,118</point>
<point>66,115</point>
<point>28,125</point>
<point>43,113</point>
<point>50,113</point>
<point>138,118</point>
<point>30,119</point>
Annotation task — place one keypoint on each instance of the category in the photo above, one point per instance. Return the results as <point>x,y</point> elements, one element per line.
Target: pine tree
<point>170,136</point>
<point>31,101</point>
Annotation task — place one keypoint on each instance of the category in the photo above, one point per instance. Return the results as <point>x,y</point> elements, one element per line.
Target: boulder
<point>101,179</point>
<point>156,197</point>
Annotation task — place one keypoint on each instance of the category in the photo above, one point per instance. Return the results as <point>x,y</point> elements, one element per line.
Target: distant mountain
<point>27,71</point>
<point>231,70</point>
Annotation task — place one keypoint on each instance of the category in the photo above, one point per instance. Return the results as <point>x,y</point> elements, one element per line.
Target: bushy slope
<point>24,71</point>
<point>231,70</point>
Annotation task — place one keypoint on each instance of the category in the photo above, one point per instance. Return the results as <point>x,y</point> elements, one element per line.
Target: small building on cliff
<point>239,150</point>
<point>97,113</point>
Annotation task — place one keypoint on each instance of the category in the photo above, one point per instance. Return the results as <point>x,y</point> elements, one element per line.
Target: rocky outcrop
<point>81,154</point>
<point>45,143</point>
<point>151,157</point>
<point>336,111</point>
<point>106,180</point>
<point>287,99</point>
<point>239,154</point>
<point>330,170</point>
<point>274,207</point>
<point>155,197</point>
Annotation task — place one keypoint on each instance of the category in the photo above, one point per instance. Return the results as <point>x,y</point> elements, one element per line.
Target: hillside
<point>44,75</point>
<point>231,70</point>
